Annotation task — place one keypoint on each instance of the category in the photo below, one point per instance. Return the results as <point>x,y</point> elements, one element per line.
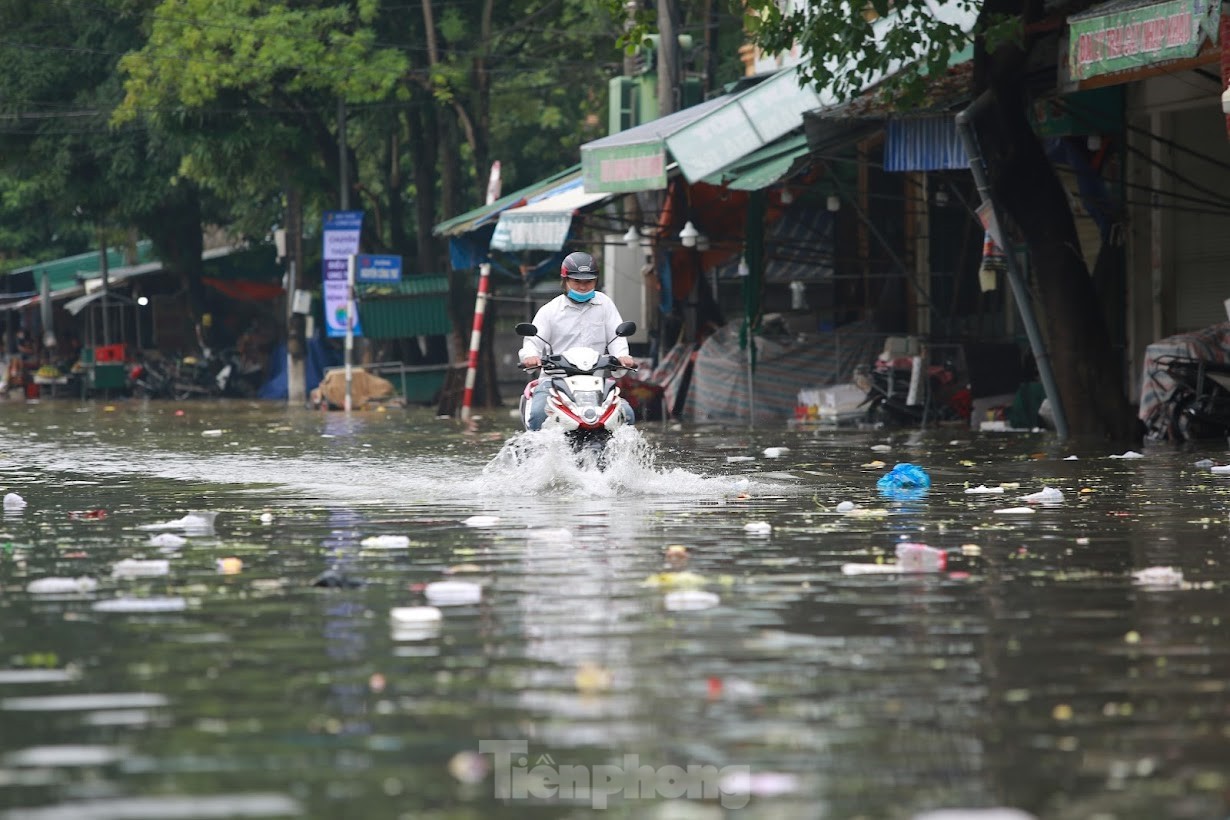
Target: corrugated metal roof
<point>928,144</point>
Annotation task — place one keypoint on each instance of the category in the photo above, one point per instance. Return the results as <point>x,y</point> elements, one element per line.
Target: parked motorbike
<point>937,395</point>
<point>584,401</point>
<point>152,378</point>
<point>1199,405</point>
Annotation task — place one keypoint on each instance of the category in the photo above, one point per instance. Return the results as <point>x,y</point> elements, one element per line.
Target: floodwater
<point>612,643</point>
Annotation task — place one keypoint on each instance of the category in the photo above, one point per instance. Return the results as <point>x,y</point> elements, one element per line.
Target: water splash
<point>544,462</point>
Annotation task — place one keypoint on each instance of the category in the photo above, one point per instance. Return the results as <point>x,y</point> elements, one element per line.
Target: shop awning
<point>487,214</point>
<point>68,271</point>
<point>544,224</point>
<point>762,168</point>
<point>702,140</point>
<point>635,160</point>
<point>747,122</point>
<point>75,306</point>
<point>89,281</point>
<point>1116,40</point>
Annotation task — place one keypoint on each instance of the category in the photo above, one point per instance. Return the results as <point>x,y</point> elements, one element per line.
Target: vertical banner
<point>341,241</point>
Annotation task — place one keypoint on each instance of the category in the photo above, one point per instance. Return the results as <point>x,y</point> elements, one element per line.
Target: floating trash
<point>386,542</point>
<point>167,540</point>
<point>482,521</point>
<point>983,489</point>
<point>141,568</point>
<point>229,565</point>
<point>1071,458</point>
<point>870,569</point>
<point>687,600</point>
<point>194,523</point>
<point>61,586</point>
<point>758,528</point>
<point>881,448</point>
<point>846,506</point>
<point>1220,469</point>
<point>558,535</point>
<point>592,678</point>
<point>84,703</point>
<point>1047,495</point>
<point>674,579</point>
<point>453,593</point>
<point>996,813</point>
<point>775,452</point>
<point>66,756</point>
<point>413,615</point>
<point>267,518</point>
<point>904,475</point>
<point>12,501</point>
<point>211,433</point>
<point>38,675</point>
<point>739,459</point>
<point>1158,577</point>
<point>415,623</point>
<point>1128,454</point>
<point>168,604</point>
<point>1016,511</point>
<point>469,767</point>
<point>761,784</point>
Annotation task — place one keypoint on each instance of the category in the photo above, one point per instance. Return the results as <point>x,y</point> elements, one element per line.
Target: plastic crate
<point>109,353</point>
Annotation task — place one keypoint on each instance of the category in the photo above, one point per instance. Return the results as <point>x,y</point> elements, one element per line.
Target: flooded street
<point>616,639</point>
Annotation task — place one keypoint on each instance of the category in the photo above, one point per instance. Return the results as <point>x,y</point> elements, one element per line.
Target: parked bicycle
<point>1199,405</point>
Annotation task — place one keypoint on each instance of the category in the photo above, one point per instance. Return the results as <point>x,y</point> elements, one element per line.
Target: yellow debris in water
<point>1062,711</point>
<point>230,566</point>
<point>110,408</point>
<point>675,579</point>
<point>592,678</point>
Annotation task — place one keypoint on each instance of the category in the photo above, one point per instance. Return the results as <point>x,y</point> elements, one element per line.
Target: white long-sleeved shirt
<point>565,323</point>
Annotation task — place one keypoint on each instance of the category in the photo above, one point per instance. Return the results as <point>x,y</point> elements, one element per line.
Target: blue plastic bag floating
<point>902,476</point>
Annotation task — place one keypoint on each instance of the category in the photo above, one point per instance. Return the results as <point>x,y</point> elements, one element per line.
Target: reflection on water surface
<point>623,632</point>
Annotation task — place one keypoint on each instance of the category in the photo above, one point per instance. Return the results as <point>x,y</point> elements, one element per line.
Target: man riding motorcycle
<point>582,316</point>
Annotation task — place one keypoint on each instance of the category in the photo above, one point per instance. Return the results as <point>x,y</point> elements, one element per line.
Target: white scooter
<point>583,399</point>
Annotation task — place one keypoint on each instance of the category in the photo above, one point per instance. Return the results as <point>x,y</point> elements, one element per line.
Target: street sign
<point>375,269</point>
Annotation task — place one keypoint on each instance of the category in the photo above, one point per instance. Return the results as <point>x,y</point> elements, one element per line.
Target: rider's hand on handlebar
<point>530,362</point>
<point>628,362</point>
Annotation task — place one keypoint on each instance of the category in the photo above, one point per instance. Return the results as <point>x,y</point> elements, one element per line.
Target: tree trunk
<point>1088,372</point>
<point>175,231</point>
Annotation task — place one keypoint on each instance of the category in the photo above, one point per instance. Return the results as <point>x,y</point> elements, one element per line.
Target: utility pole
<point>343,175</point>
<point>668,57</point>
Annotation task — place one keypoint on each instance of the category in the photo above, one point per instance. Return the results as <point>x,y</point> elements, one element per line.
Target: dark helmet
<point>579,265</point>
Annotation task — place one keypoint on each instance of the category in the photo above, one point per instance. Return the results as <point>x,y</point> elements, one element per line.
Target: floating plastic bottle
<point>912,557</point>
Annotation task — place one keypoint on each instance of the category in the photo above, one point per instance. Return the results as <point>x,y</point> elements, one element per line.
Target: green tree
<point>852,44</point>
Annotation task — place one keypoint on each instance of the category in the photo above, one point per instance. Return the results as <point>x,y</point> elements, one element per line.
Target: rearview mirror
<point>528,329</point>
<point>624,329</point>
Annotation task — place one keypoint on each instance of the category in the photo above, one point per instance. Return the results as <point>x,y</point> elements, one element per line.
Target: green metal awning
<point>484,214</point>
<point>702,139</point>
<point>750,121</point>
<point>635,159</point>
<point>762,168</point>
<point>70,271</point>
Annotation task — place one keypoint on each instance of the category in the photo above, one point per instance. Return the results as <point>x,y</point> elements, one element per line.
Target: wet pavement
<point>391,617</point>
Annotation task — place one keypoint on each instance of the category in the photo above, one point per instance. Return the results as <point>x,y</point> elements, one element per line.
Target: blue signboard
<point>341,241</point>
<point>374,269</point>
